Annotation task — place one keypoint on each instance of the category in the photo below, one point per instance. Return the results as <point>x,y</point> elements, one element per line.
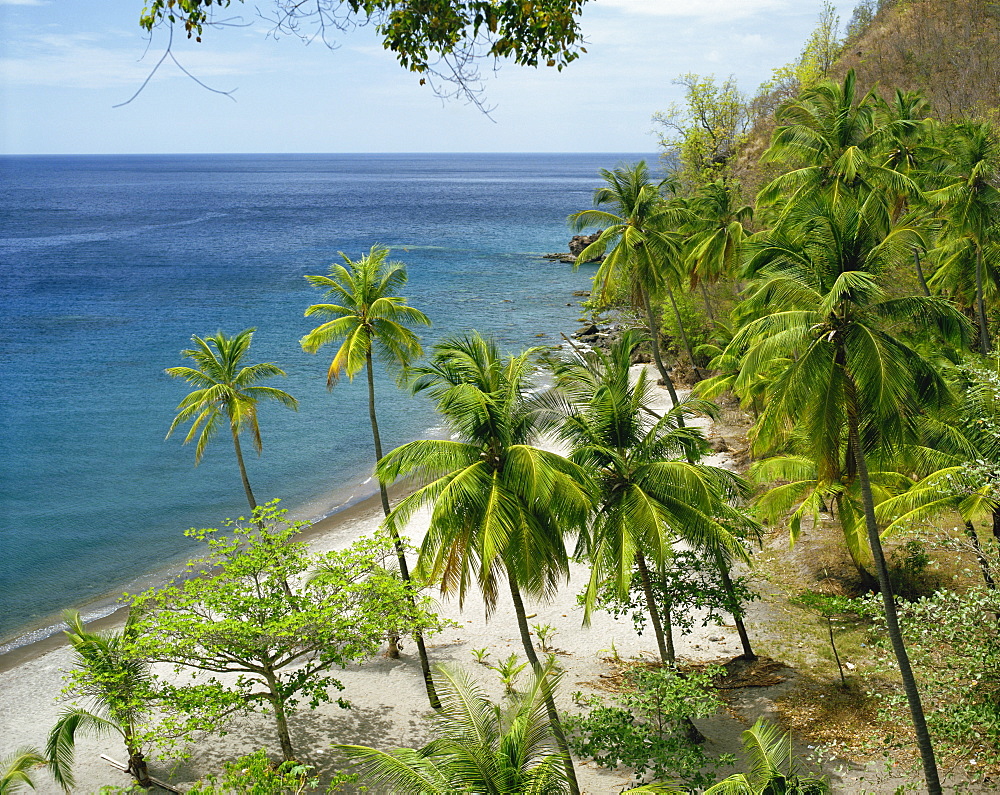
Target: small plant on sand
<point>648,729</point>
<point>828,607</point>
<point>480,655</point>
<point>509,670</point>
<point>255,773</point>
<point>544,633</point>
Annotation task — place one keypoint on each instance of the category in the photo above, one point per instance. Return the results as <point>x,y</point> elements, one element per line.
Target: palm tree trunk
<point>137,767</point>
<point>735,609</point>
<point>920,272</point>
<point>683,331</point>
<point>654,341</point>
<point>891,619</point>
<point>243,470</point>
<point>550,704</point>
<point>397,542</point>
<point>708,303</point>
<point>984,562</point>
<point>667,654</point>
<point>984,330</point>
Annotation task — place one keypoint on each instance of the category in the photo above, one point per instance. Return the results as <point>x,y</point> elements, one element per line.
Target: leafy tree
<point>772,767</point>
<point>117,681</point>
<point>648,729</point>
<point>15,769</point>
<point>225,389</point>
<point>254,774</point>
<point>281,645</point>
<point>441,39</point>
<point>501,508</point>
<point>955,649</point>
<point>639,250</point>
<point>852,383</point>
<point>371,320</point>
<point>703,136</point>
<point>478,746</point>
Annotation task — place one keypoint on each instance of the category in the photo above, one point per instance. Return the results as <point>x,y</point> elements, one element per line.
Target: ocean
<point>108,266</point>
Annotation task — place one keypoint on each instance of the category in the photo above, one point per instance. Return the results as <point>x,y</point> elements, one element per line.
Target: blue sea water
<point>108,265</point>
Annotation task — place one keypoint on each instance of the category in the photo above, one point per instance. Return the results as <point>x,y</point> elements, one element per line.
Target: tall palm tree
<point>478,746</point>
<point>225,389</point>
<point>501,507</point>
<point>635,251</point>
<point>370,320</point>
<point>832,140</point>
<point>119,686</point>
<point>649,494</point>
<point>971,203</point>
<point>715,235</point>
<point>851,383</point>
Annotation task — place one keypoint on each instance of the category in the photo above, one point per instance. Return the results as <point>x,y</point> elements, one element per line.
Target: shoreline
<point>389,703</point>
<point>111,611</point>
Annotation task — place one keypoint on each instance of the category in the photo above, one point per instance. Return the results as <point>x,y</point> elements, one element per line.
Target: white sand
<point>388,696</point>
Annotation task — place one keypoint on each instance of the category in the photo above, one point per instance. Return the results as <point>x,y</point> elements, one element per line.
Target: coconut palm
<point>772,767</point>
<point>636,252</point>
<point>833,141</point>
<point>119,686</point>
<point>15,769</point>
<point>649,492</point>
<point>225,389</point>
<point>501,508</point>
<point>478,746</point>
<point>971,203</point>
<point>852,385</point>
<point>370,320</point>
<point>715,235</point>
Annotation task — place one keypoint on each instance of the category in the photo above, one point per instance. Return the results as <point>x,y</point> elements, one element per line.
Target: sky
<point>64,64</point>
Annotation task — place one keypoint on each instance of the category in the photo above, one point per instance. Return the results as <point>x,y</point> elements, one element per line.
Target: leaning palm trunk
<point>664,639</point>
<point>536,666</point>
<point>397,542</point>
<point>977,548</point>
<point>892,621</point>
<point>654,342</point>
<point>727,586</point>
<point>984,329</point>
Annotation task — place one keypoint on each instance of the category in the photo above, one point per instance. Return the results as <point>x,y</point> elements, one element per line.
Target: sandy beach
<point>389,704</point>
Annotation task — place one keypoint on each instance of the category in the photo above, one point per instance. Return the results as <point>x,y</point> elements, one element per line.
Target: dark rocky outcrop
<point>580,242</point>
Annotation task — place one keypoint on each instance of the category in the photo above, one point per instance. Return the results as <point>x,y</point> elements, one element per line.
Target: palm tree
<point>501,507</point>
<point>971,203</point>
<point>479,746</point>
<point>851,383</point>
<point>649,494</point>
<point>833,141</point>
<point>716,235</point>
<point>772,767</point>
<point>119,686</point>
<point>369,320</point>
<point>639,252</point>
<point>15,769</point>
<point>225,389</point>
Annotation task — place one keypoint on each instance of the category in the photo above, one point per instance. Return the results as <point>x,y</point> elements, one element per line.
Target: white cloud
<point>716,9</point>
<point>86,61</point>
<point>23,2</point>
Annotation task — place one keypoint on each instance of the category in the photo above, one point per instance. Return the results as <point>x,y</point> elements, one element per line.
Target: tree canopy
<point>440,38</point>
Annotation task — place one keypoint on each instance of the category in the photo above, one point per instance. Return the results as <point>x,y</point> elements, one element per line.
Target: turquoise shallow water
<point>108,265</point>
